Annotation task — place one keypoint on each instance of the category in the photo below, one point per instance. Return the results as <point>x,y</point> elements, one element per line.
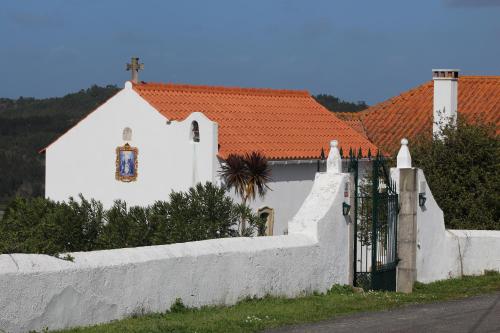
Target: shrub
<point>41,225</point>
<point>203,212</point>
<point>178,306</point>
<point>462,171</point>
<point>89,221</point>
<point>126,227</point>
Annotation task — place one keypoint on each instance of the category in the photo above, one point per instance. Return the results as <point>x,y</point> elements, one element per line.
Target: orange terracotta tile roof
<point>353,119</point>
<point>410,113</point>
<point>281,124</point>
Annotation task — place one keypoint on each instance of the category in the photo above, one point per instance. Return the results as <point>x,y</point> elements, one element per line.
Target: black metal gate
<point>375,226</point>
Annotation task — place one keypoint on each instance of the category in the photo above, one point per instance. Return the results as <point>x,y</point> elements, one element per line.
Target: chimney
<point>445,98</point>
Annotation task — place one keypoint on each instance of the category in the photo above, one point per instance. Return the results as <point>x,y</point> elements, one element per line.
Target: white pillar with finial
<point>404,157</point>
<point>334,161</point>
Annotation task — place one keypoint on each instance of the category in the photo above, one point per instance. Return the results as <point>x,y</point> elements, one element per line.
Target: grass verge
<point>258,314</point>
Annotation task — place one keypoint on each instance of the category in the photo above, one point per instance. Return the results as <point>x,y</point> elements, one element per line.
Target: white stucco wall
<point>290,185</point>
<point>479,250</point>
<point>42,291</point>
<point>437,250</point>
<point>443,253</point>
<point>83,159</point>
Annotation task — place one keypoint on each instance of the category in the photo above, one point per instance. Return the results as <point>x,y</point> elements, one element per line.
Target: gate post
<point>353,169</point>
<point>352,222</point>
<point>406,273</point>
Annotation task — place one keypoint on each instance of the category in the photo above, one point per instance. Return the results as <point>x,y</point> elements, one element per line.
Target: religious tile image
<point>127,158</point>
<point>126,163</point>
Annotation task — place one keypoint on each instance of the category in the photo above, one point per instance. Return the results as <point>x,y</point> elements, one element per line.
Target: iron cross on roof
<point>135,67</point>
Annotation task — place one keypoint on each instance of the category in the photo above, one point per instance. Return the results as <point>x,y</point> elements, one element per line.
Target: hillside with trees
<point>27,125</point>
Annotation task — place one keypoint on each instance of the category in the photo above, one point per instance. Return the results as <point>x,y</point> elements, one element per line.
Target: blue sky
<point>358,50</point>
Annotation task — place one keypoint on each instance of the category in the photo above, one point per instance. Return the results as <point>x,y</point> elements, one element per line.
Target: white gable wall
<point>83,160</point>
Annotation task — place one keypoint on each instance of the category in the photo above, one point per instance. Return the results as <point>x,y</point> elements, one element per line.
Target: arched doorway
<point>267,213</point>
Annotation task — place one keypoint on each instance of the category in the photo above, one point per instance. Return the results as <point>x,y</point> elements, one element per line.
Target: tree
<point>462,169</point>
<point>248,175</point>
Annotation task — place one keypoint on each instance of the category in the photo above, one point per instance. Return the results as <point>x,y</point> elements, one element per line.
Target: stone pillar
<point>406,273</point>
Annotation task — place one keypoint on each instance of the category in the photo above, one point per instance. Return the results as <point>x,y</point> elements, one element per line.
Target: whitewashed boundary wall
<point>40,291</point>
<point>443,253</point>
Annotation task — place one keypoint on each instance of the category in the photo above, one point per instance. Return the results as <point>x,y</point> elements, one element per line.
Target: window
<point>127,134</point>
<point>195,132</point>
<point>267,213</point>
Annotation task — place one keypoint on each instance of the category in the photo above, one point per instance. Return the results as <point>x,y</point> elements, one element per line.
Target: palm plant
<point>259,174</point>
<point>235,174</point>
<point>248,175</point>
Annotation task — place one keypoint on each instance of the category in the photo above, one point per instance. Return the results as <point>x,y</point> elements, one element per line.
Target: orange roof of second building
<point>281,124</point>
<point>410,113</point>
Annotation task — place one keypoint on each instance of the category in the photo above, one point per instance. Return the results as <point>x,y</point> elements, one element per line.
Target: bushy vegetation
<point>462,170</point>
<point>39,225</point>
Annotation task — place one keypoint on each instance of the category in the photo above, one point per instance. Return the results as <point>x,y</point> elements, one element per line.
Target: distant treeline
<point>335,104</point>
<point>29,124</point>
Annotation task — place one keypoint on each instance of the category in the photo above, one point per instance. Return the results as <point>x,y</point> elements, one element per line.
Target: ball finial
<point>404,157</point>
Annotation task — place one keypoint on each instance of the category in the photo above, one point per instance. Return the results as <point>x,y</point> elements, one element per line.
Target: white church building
<point>150,139</point>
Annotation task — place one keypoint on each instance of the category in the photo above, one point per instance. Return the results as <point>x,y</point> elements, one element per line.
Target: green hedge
<point>39,225</point>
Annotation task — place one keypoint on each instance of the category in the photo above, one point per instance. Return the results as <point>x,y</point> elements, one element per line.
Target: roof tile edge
<point>143,86</point>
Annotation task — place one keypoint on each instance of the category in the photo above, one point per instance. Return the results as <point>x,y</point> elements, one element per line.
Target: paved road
<point>475,314</point>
